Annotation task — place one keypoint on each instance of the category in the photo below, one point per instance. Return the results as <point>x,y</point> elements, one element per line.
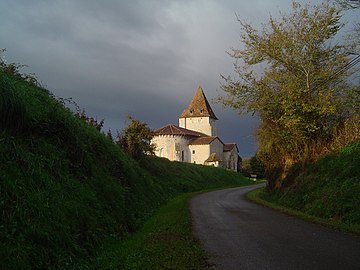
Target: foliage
<point>328,190</point>
<point>257,166</point>
<point>135,139</point>
<point>301,93</point>
<point>14,70</point>
<point>8,95</point>
<point>245,168</point>
<point>251,166</point>
<point>66,190</point>
<point>90,120</point>
<point>12,109</point>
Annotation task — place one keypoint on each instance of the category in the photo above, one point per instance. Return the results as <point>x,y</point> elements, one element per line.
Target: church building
<point>195,140</point>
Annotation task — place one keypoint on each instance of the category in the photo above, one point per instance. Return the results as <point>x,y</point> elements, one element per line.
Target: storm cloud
<point>143,58</point>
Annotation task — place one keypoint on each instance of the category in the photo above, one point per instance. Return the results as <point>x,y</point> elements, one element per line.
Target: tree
<point>135,139</point>
<point>300,89</point>
<point>257,166</point>
<point>252,165</point>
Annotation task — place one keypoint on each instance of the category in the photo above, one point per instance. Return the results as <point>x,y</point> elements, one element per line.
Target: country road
<point>239,234</point>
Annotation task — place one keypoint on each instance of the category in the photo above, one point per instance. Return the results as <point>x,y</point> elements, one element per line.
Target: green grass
<point>327,192</point>
<point>164,242</point>
<point>67,191</point>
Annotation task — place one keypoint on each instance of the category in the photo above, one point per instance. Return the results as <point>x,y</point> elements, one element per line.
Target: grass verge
<point>260,196</point>
<point>164,242</point>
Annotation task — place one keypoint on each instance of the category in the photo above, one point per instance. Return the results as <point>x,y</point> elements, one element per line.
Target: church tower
<point>199,116</point>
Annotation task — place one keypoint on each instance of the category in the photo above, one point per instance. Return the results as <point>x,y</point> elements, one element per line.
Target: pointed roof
<point>199,106</point>
<point>175,130</point>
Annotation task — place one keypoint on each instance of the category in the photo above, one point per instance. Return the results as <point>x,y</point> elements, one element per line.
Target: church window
<point>182,156</point>
<point>193,151</point>
<point>202,110</point>
<point>191,111</point>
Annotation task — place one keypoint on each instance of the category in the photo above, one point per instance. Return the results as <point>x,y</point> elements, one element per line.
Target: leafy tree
<point>135,139</point>
<point>257,166</point>
<point>292,73</point>
<point>252,165</point>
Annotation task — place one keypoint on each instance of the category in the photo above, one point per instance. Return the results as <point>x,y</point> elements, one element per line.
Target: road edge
<point>255,196</point>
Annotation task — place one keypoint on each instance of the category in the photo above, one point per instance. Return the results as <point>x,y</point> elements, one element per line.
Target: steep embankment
<point>328,189</point>
<point>66,189</point>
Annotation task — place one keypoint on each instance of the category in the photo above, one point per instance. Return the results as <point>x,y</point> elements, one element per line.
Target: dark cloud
<point>144,58</point>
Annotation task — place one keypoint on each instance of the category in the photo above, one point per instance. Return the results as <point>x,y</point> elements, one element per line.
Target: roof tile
<point>199,106</point>
<point>175,130</point>
<point>204,140</point>
<point>229,146</point>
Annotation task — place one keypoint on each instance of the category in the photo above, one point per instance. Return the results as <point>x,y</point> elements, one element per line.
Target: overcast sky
<point>143,58</point>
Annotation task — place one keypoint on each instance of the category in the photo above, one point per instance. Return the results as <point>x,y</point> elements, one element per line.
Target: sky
<point>141,58</point>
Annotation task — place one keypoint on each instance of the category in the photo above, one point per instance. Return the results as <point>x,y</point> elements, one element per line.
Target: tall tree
<point>292,74</point>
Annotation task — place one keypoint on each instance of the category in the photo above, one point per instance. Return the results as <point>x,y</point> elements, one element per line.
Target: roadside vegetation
<point>164,242</point>
<point>327,192</point>
<point>71,198</point>
<point>67,190</point>
<point>298,73</point>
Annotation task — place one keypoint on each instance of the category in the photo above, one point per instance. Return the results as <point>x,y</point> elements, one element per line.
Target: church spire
<point>199,106</point>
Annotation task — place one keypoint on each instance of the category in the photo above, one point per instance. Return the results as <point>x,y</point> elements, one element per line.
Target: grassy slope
<point>66,190</point>
<point>328,189</point>
<point>165,242</point>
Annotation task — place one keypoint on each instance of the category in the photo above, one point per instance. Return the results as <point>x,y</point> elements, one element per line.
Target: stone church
<point>195,140</point>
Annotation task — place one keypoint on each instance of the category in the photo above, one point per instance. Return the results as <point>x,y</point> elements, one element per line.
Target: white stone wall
<point>199,153</point>
<point>204,125</point>
<point>175,147</point>
<point>182,123</point>
<point>172,147</point>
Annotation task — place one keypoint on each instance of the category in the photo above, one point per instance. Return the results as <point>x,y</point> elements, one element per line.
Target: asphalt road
<point>242,235</point>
